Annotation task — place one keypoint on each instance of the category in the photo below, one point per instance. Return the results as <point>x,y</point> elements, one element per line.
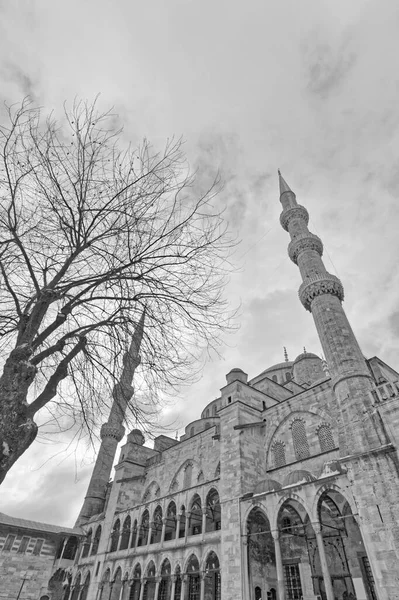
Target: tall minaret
<point>322,294</point>
<point>112,431</point>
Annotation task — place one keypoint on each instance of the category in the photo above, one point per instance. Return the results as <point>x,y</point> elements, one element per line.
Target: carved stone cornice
<point>114,431</point>
<point>305,241</point>
<point>295,212</point>
<point>318,285</point>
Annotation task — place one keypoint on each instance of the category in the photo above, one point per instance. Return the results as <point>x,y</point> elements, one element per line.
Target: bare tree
<point>90,234</point>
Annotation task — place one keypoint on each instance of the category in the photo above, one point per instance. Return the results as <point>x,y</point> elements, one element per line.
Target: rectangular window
<point>23,545</point>
<point>9,543</point>
<point>292,582</point>
<point>38,547</point>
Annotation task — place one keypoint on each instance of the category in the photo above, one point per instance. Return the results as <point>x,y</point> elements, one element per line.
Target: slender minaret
<point>322,294</point>
<point>112,431</point>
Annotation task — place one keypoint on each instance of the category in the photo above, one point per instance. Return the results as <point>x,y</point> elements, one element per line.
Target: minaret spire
<point>322,294</point>
<point>112,431</point>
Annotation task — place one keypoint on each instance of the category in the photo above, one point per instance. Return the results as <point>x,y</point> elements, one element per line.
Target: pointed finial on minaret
<point>287,196</point>
<point>304,350</point>
<point>285,354</point>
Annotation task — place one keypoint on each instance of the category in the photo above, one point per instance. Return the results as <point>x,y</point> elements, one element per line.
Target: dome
<point>298,477</point>
<point>236,370</point>
<point>306,355</point>
<point>283,365</point>
<point>136,437</point>
<point>267,485</point>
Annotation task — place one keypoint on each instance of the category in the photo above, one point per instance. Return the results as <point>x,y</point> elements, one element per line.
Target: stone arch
<point>279,429</point>
<point>171,521</point>
<point>259,504</point>
<point>334,487</point>
<point>213,510</point>
<point>151,492</point>
<point>144,528</point>
<point>261,564</point>
<point>195,511</point>
<point>96,540</point>
<point>115,535</point>
<point>156,530</point>
<point>76,586</point>
<point>105,585</point>
<point>150,567</point>
<point>125,536</point>
<point>136,582</point>
<point>191,559</point>
<point>85,588</point>
<point>179,481</point>
<point>116,584</point>
<point>289,495</point>
<point>87,543</point>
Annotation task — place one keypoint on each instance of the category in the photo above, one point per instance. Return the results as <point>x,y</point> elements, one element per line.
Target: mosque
<point>286,487</point>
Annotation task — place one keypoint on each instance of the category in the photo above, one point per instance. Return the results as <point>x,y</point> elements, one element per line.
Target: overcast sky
<point>311,87</point>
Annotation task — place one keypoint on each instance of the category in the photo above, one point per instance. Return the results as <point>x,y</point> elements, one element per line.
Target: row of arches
<point>167,526</point>
<point>301,558</point>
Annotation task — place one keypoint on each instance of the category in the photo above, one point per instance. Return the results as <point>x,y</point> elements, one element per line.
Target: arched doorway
<point>193,578</point>
<point>261,554</point>
<point>212,581</point>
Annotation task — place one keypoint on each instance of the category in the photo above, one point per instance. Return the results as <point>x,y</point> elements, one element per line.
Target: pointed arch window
<point>115,536</point>
<point>96,540</point>
<point>326,439</point>
<point>299,439</point>
<point>188,472</point>
<point>278,451</point>
<point>125,534</point>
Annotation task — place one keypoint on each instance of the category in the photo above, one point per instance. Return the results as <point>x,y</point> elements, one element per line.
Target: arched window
<point>115,536</point>
<point>170,527</point>
<point>193,575</point>
<point>191,431</point>
<point>278,451</point>
<point>207,413</point>
<point>326,439</point>
<point>288,376</point>
<point>274,378</point>
<point>196,516</point>
<point>217,472</point>
<point>300,441</point>
<point>96,540</point>
<point>76,587</point>
<point>156,531</point>
<point>87,544</point>
<point>117,585</point>
<point>105,586</point>
<point>214,409</point>
<point>177,584</point>
<point>85,590</point>
<point>136,586</point>
<point>144,527</point>
<point>200,477</point>
<point>70,548</point>
<point>212,579</point>
<point>149,584</point>
<point>213,512</point>
<point>188,471</point>
<point>207,425</point>
<point>125,534</point>
<point>165,584</point>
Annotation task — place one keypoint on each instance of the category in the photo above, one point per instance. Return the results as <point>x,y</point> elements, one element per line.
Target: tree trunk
<point>17,429</point>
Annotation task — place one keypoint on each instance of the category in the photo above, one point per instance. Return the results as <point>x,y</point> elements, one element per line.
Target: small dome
<point>236,370</point>
<point>136,437</point>
<point>306,355</point>
<point>298,477</point>
<point>284,365</point>
<point>267,485</point>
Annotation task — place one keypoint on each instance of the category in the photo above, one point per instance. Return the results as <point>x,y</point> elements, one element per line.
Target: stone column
<point>323,561</point>
<point>111,585</point>
<point>202,588</point>
<point>157,582</point>
<point>143,582</point>
<point>245,573</point>
<point>177,526</point>
<point>149,534</point>
<point>99,591</point>
<point>164,521</point>
<point>172,591</point>
<point>279,565</point>
<point>203,520</point>
<point>184,579</point>
<point>188,514</point>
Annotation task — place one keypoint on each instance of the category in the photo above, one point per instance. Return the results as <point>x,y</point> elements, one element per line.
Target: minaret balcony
<point>295,212</point>
<point>305,241</point>
<point>316,285</point>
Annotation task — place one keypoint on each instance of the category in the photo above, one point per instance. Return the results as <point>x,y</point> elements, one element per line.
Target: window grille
<point>292,582</point>
<point>194,585</point>
<point>326,439</point>
<point>23,545</point>
<point>301,446</point>
<point>38,547</point>
<point>279,454</point>
<point>9,543</point>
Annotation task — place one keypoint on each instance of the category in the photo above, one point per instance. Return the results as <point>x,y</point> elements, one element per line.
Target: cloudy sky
<point>311,87</point>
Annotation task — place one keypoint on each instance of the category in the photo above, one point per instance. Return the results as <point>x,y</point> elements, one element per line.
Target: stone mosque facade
<point>286,487</point>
